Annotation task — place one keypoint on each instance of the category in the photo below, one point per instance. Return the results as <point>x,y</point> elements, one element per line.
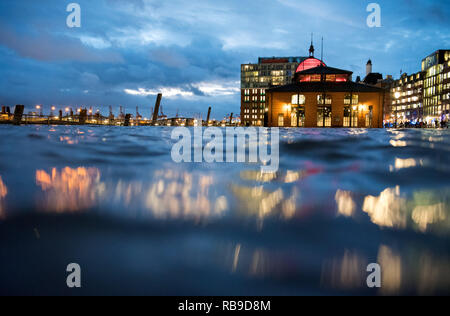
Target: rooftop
<point>326,86</point>
<point>324,70</point>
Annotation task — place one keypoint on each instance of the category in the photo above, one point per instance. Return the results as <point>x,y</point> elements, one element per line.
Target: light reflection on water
<point>3,193</point>
<point>69,189</point>
<point>341,199</point>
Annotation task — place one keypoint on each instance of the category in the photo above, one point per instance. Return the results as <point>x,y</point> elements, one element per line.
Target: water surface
<point>112,200</point>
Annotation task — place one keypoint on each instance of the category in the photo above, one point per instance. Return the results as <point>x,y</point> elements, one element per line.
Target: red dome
<point>310,63</point>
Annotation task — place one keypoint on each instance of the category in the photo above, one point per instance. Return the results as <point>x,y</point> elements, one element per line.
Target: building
<point>372,78</point>
<point>376,79</point>
<point>257,78</point>
<point>425,95</point>
<point>407,98</point>
<point>436,85</point>
<point>386,85</point>
<point>322,96</point>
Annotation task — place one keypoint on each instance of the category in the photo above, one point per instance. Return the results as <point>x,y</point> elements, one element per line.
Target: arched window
<point>298,99</point>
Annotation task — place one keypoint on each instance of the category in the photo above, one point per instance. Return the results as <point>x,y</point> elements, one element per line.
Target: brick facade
<point>280,103</point>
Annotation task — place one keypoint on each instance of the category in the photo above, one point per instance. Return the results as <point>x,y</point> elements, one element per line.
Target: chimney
<point>369,67</point>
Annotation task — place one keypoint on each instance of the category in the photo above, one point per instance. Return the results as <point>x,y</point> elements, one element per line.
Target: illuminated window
<point>347,116</point>
<point>369,117</point>
<point>293,119</point>
<point>305,78</point>
<point>328,99</point>
<point>341,78</point>
<point>324,116</point>
<point>280,120</point>
<point>298,99</point>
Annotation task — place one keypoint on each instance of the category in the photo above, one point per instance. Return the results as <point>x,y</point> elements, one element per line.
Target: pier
<point>83,116</point>
<point>101,120</point>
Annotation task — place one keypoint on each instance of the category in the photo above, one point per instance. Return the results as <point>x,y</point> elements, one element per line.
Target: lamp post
<point>39,108</point>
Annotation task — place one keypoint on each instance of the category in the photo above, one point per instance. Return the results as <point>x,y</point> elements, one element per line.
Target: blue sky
<point>128,50</point>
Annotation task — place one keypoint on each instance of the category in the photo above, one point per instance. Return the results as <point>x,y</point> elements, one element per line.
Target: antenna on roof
<point>311,48</point>
<point>321,56</point>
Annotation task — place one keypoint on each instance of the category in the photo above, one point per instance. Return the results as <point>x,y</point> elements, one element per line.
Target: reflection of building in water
<point>391,270</point>
<point>253,175</point>
<point>431,209</point>
<point>425,215</point>
<point>348,272</point>
<point>423,272</point>
<point>70,189</point>
<point>433,275</point>
<point>262,203</point>
<point>388,209</point>
<point>182,195</point>
<point>345,204</point>
<point>405,163</point>
<point>3,193</point>
<point>258,262</point>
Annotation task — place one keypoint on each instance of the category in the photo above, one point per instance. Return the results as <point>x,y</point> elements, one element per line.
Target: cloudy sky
<point>128,50</point>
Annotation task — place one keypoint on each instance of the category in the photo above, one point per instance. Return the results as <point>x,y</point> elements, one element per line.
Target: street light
<point>39,108</point>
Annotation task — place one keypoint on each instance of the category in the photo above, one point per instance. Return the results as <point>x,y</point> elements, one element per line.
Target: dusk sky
<point>128,50</point>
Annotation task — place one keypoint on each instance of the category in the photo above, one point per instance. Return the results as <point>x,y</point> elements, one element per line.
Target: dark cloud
<point>45,47</point>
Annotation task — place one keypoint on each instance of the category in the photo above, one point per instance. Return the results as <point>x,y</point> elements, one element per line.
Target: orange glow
<point>3,189</point>
<point>3,193</point>
<point>69,189</point>
<point>305,78</point>
<point>67,140</point>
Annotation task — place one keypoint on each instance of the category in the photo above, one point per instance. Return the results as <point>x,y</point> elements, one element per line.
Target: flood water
<point>112,200</point>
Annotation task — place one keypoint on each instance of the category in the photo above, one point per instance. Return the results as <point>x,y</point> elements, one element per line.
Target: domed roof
<point>310,63</point>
